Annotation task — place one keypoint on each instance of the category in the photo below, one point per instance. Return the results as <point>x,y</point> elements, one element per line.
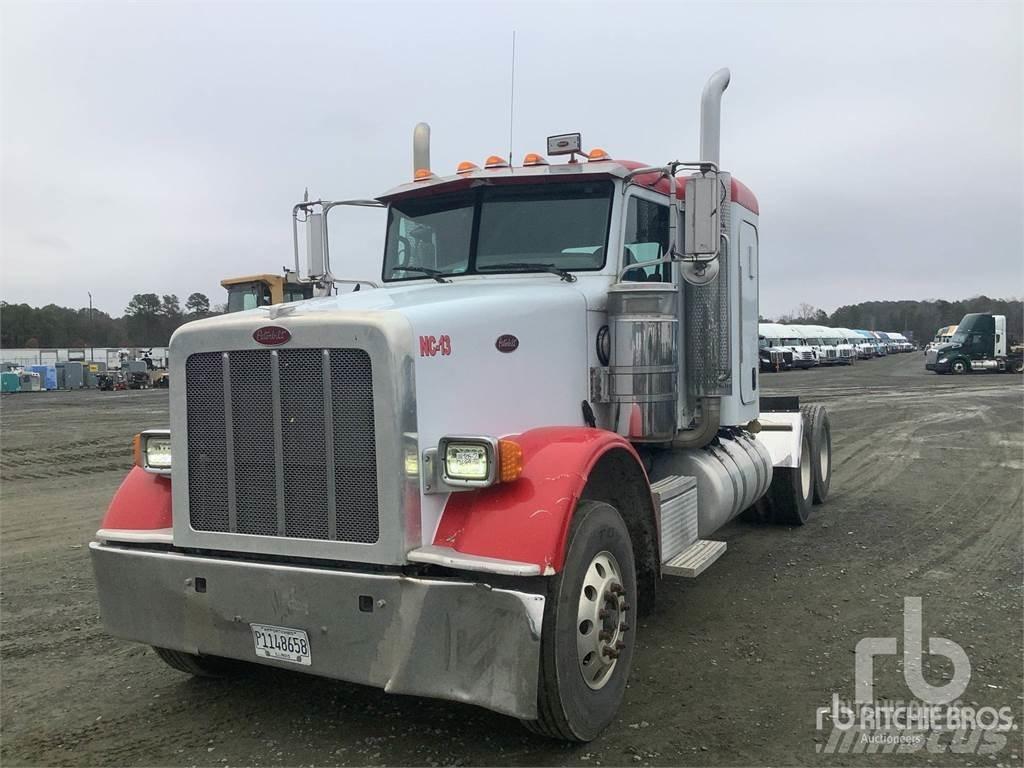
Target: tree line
<point>922,318</point>
<point>148,321</point>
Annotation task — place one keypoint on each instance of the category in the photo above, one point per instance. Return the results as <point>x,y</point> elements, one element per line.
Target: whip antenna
<point>512,99</point>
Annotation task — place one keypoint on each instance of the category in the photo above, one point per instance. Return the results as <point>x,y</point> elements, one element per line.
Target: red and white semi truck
<point>462,481</point>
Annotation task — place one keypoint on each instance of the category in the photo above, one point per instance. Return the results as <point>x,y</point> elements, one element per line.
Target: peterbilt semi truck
<point>979,343</point>
<point>466,480</point>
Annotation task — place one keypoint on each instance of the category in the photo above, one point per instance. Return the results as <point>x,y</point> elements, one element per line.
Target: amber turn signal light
<point>510,460</point>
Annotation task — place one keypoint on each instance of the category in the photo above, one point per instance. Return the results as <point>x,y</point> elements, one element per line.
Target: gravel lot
<point>926,500</point>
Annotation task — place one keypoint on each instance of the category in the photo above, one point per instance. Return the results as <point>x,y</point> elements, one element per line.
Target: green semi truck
<point>980,343</point>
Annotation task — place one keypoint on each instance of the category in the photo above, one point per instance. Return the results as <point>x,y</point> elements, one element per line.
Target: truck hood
<point>490,301</point>
<point>945,349</point>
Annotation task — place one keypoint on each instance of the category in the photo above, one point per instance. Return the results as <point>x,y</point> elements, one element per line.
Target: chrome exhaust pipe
<point>711,115</point>
<point>420,148</point>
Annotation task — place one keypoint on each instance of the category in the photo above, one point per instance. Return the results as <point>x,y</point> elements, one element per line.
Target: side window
<point>646,239</point>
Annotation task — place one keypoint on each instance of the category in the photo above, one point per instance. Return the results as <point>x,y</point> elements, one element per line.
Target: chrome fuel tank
<point>644,361</point>
<point>732,472</point>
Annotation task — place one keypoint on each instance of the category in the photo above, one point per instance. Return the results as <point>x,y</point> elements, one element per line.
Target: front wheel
<point>587,641</point>
<point>194,664</point>
<point>958,366</point>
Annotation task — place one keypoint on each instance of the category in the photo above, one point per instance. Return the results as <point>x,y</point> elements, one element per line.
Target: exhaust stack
<point>421,151</point>
<point>711,115</point>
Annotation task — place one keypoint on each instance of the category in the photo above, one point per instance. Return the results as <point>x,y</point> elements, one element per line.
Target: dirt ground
<point>926,501</point>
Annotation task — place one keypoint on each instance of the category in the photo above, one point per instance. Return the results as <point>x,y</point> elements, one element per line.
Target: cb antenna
<point>512,99</point>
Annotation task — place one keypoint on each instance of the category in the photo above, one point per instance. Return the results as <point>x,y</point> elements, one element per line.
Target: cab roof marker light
<point>598,154</point>
<point>532,158</point>
<point>423,174</point>
<point>467,167</point>
<point>495,162</point>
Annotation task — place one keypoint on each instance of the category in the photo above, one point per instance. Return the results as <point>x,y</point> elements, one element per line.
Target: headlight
<point>468,461</point>
<point>478,461</point>
<point>941,360</point>
<point>152,450</point>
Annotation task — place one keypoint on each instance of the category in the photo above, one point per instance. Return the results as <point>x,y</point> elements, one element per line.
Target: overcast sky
<point>159,147</point>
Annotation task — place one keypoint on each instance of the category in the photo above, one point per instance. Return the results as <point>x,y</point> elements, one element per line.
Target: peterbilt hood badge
<point>271,335</point>
<point>506,343</point>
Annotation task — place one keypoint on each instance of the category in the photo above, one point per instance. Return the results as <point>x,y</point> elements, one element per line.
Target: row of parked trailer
<point>782,347</point>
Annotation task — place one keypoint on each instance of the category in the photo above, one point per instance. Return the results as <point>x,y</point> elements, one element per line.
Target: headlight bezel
<point>489,447</point>
<point>141,450</point>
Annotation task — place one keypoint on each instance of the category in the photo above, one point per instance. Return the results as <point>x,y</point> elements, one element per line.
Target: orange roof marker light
<point>422,174</point>
<point>532,158</point>
<point>495,162</point>
<point>467,167</point>
<point>598,154</point>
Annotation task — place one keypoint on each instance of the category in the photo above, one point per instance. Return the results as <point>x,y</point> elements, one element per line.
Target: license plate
<point>281,644</point>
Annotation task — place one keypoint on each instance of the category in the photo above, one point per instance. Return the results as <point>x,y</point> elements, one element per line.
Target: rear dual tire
<point>817,422</point>
<point>794,490</point>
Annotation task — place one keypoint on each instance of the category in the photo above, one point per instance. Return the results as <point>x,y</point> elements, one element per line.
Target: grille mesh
<point>355,459</point>
<point>306,471</point>
<point>304,444</point>
<point>252,427</point>
<point>207,460</point>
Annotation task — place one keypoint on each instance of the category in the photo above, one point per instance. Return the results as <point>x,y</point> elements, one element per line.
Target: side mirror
<point>700,222</point>
<point>316,259</point>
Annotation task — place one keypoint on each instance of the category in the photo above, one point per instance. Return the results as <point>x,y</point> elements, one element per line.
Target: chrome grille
<point>283,443</point>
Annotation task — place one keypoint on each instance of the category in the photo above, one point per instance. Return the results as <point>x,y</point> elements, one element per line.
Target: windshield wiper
<point>523,266</point>
<point>435,274</point>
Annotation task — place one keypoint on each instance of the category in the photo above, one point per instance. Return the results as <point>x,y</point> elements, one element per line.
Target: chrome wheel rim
<point>805,473</point>
<point>600,620</point>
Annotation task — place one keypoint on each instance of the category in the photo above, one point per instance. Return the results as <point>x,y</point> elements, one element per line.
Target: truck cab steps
<point>694,560</point>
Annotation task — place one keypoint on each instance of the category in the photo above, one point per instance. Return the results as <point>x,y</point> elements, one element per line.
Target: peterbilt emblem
<point>271,335</point>
<point>506,343</point>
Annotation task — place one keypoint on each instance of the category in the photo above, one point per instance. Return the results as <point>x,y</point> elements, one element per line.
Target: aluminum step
<point>693,560</point>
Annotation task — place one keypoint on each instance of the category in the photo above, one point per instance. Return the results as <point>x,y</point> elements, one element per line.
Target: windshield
<point>248,296</point>
<point>793,342</point>
<point>833,342</point>
<point>508,228</point>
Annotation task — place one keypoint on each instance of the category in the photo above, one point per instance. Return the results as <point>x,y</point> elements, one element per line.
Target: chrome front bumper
<point>445,639</point>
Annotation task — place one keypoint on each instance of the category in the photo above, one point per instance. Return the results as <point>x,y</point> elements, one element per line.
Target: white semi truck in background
<point>464,482</point>
<point>783,338</point>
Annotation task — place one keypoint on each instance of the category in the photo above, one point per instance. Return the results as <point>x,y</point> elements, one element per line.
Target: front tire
<point>193,664</point>
<point>587,641</point>
<point>958,366</point>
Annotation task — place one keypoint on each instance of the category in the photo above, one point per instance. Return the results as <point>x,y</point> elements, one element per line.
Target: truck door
<point>747,261</point>
<point>645,238</point>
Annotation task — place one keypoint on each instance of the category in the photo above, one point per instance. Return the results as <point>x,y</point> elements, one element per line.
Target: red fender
<point>142,503</point>
<point>528,520</point>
